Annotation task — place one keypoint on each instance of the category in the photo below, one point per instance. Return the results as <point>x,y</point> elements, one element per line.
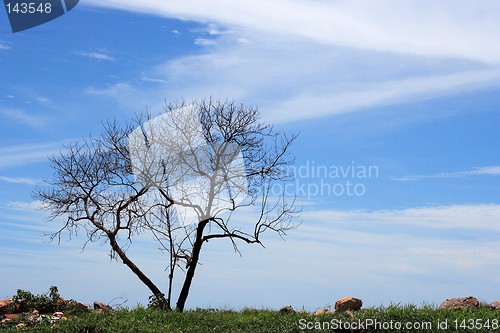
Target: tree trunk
<point>154,289</point>
<point>181,301</point>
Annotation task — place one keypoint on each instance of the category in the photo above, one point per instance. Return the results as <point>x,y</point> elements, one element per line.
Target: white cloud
<point>28,206</point>
<point>19,180</point>
<point>468,217</point>
<point>213,30</point>
<point>42,100</point>
<point>294,80</point>
<point>96,55</point>
<point>489,171</point>
<point>243,40</point>
<point>333,252</point>
<point>383,93</point>
<point>21,116</point>
<point>13,156</point>
<point>148,79</point>
<point>355,60</point>
<point>481,171</point>
<point>28,95</point>
<point>456,29</point>
<point>4,46</point>
<point>330,255</point>
<point>132,96</point>
<point>204,41</point>
<point>115,90</point>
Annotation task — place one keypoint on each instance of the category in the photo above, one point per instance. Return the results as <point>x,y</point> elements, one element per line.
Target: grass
<point>260,321</point>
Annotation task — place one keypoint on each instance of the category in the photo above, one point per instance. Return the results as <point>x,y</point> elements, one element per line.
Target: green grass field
<point>391,319</point>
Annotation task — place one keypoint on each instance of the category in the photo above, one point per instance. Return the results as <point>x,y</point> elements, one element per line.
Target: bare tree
<point>180,176</point>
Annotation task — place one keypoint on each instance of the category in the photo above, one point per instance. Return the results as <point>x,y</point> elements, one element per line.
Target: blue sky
<point>411,89</point>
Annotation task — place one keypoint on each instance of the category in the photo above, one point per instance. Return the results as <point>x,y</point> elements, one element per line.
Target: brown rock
<point>62,301</point>
<point>467,303</point>
<point>80,306</point>
<point>103,307</point>
<point>495,305</point>
<point>12,315</point>
<point>7,306</point>
<point>348,303</point>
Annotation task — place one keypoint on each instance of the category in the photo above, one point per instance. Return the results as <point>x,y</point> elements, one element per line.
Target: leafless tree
<point>180,176</point>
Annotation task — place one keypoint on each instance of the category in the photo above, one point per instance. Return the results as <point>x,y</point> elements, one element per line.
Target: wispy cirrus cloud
<point>148,79</point>
<point>369,95</point>
<point>472,217</point>
<point>19,180</point>
<point>205,41</point>
<point>295,80</point>
<point>25,206</point>
<point>22,116</point>
<point>96,55</point>
<point>445,29</point>
<point>386,245</point>
<point>16,155</point>
<point>302,61</point>
<point>480,171</point>
<point>393,247</point>
<point>4,46</point>
<point>29,95</point>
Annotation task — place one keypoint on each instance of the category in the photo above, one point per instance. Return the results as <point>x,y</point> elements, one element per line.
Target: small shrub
<point>158,302</point>
<point>26,301</point>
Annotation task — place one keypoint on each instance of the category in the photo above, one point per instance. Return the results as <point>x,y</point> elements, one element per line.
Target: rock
<point>80,306</point>
<point>34,317</point>
<point>348,303</point>
<point>57,316</point>
<point>495,305</point>
<point>287,309</point>
<point>62,301</point>
<point>7,306</point>
<point>467,303</point>
<point>103,307</point>
<point>12,315</point>
<point>322,311</point>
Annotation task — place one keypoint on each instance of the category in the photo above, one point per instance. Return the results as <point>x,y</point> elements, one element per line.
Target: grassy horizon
<point>394,318</point>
